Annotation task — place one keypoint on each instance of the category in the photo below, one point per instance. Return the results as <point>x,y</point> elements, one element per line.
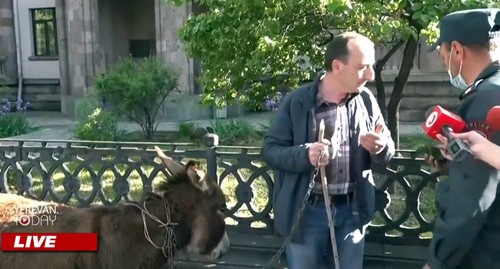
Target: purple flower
<point>271,105</point>
<point>6,106</point>
<point>21,106</point>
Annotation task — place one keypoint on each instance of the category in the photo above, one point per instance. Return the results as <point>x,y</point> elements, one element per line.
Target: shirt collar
<point>319,100</point>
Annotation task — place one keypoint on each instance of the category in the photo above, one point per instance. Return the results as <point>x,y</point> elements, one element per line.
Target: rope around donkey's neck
<point>169,242</point>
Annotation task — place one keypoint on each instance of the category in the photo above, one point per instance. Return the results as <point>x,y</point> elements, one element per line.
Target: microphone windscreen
<point>493,118</point>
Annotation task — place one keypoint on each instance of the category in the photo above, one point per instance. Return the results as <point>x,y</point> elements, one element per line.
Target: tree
<point>249,49</point>
<point>136,89</point>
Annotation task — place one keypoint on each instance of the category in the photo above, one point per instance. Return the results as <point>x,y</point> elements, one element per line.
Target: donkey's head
<point>196,204</point>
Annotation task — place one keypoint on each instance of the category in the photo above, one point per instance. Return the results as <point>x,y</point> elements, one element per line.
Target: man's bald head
<point>342,46</point>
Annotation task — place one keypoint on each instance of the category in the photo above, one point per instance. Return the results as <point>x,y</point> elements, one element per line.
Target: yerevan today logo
<point>43,215</point>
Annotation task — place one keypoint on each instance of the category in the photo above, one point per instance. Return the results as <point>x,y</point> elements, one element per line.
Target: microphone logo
<point>431,119</point>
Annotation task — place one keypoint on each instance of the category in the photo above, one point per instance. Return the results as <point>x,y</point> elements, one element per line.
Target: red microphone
<point>493,118</point>
<point>442,121</point>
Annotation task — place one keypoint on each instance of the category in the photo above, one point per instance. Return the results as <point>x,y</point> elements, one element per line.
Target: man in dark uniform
<point>467,230</point>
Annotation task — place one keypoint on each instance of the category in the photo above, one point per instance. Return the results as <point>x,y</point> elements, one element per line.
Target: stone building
<point>51,50</point>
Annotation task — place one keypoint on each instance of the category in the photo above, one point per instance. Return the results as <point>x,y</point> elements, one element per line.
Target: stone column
<point>169,19</point>
<point>81,57</point>
<point>8,59</point>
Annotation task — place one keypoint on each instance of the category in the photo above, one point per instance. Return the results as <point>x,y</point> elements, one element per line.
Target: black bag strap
<point>368,103</point>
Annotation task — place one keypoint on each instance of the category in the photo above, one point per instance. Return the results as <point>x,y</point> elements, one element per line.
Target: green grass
<point>413,141</point>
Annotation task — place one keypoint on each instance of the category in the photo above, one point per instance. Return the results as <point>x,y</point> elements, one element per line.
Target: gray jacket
<point>286,150</point>
<point>467,231</point>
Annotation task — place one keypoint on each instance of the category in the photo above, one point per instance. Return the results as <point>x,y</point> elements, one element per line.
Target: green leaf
<point>249,49</point>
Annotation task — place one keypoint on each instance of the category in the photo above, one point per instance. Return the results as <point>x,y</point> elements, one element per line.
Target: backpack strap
<point>368,103</point>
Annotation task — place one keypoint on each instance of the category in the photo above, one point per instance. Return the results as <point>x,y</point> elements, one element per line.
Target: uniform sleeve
<point>468,194</point>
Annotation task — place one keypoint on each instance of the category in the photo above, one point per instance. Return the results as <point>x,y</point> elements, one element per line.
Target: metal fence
<point>84,172</point>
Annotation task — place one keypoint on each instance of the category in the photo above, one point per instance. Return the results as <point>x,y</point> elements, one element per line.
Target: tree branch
<point>381,63</point>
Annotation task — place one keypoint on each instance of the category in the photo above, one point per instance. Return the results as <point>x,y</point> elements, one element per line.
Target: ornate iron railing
<point>84,172</point>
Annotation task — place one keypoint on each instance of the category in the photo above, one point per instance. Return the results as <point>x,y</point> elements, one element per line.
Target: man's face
<point>359,68</point>
<point>444,54</point>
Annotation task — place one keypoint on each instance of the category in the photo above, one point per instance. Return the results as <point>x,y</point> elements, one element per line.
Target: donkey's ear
<point>173,167</point>
<point>196,175</point>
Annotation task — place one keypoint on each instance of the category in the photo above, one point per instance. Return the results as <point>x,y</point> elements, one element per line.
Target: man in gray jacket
<point>355,136</point>
<point>467,229</point>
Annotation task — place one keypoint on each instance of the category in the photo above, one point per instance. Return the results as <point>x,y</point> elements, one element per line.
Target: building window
<point>44,31</point>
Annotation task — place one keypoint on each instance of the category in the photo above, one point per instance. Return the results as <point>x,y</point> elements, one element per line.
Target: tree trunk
<point>379,81</point>
<point>399,85</point>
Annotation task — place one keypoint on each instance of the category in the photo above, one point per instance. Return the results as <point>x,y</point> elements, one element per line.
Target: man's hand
<point>439,164</point>
<point>374,142</point>
<point>433,160</point>
<point>426,266</point>
<point>480,146</point>
<point>316,149</point>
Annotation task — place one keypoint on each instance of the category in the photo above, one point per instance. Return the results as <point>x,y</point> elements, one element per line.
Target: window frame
<point>46,34</point>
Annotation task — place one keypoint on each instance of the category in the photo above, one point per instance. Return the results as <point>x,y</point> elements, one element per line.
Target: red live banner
<point>49,242</point>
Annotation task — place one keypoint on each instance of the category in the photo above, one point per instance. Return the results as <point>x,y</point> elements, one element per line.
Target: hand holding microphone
<point>480,146</point>
<point>440,125</point>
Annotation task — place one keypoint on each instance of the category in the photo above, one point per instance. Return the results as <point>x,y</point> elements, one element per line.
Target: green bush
<point>96,124</point>
<point>236,132</point>
<point>137,89</point>
<point>187,129</point>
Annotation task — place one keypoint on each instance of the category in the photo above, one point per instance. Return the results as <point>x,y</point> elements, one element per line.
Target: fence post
<point>211,141</point>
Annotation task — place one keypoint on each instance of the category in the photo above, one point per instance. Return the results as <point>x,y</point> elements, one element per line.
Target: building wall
<point>121,21</point>
<point>7,43</point>
<point>169,20</point>
<point>34,68</point>
<point>80,54</point>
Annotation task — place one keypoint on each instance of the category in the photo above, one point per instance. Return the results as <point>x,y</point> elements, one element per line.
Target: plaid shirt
<point>337,130</point>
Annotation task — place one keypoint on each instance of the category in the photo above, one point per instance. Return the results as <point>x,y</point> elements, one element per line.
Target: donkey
<point>184,213</point>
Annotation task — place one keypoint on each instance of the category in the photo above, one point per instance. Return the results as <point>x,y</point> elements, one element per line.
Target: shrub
<point>137,89</point>
<point>187,129</point>
<point>235,132</point>
<point>96,123</point>
<point>100,125</point>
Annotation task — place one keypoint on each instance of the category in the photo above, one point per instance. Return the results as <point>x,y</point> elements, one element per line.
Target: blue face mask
<point>457,81</point>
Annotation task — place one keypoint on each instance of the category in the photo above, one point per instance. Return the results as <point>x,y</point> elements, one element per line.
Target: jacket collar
<point>491,70</point>
<point>313,91</point>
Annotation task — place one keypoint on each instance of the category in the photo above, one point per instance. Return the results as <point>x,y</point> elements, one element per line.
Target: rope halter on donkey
<point>168,247</point>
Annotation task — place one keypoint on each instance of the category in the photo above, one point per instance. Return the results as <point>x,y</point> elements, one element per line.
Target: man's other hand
<point>375,141</point>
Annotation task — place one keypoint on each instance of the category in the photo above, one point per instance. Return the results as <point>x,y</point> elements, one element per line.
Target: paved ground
<point>255,251</point>
<point>55,126</point>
